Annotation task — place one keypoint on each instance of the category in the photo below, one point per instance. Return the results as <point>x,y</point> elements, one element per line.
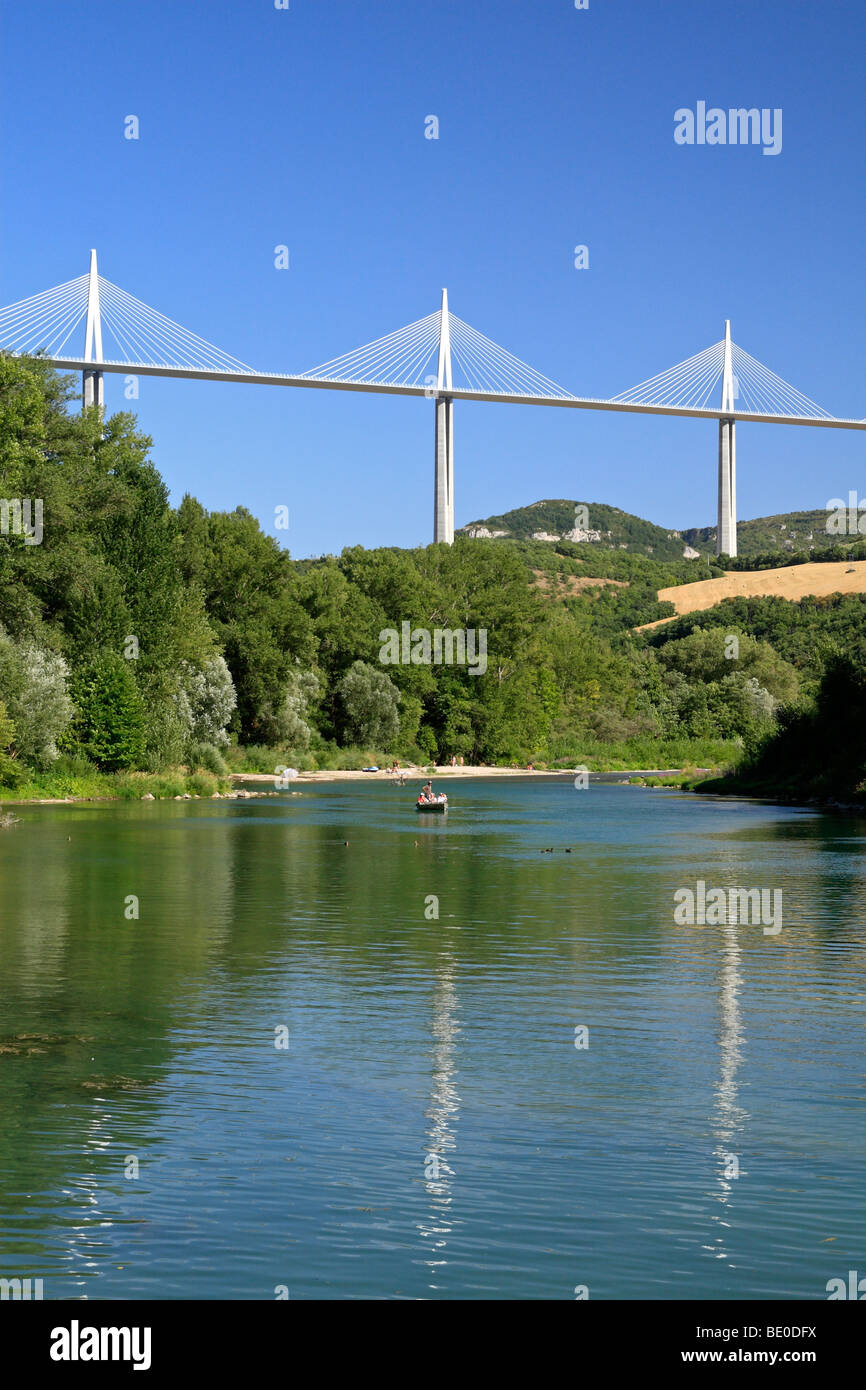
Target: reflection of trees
<point>442,1115</point>
<point>96,1008</point>
<point>89,1003</point>
<point>36,897</point>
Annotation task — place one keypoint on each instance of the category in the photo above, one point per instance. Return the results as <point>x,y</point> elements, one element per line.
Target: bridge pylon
<point>443,492</point>
<point>92,382</point>
<point>726,531</point>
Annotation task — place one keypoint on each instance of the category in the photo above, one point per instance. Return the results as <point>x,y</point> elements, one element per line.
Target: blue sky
<point>305,127</point>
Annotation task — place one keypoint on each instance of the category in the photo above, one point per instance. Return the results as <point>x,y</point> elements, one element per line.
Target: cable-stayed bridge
<point>438,357</point>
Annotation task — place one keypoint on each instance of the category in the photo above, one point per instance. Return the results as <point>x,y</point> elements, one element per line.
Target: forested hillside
<point>778,539</point>
<point>139,637</point>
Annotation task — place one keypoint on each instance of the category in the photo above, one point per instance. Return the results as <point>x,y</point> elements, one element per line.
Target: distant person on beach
<point>461,759</point>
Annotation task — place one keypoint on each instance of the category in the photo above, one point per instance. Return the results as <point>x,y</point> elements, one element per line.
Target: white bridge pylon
<point>439,357</point>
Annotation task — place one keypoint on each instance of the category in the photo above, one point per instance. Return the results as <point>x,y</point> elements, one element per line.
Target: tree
<point>109,724</point>
<point>288,724</point>
<point>10,770</point>
<point>713,654</point>
<point>370,701</point>
<point>208,695</point>
<point>33,688</point>
<point>250,594</point>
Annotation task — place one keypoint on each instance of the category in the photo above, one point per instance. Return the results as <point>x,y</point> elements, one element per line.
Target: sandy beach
<point>438,774</point>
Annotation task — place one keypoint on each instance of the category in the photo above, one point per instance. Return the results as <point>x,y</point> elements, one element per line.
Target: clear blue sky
<point>306,127</point>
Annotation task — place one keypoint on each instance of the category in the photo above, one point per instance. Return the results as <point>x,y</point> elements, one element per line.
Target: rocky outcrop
<point>578,535</point>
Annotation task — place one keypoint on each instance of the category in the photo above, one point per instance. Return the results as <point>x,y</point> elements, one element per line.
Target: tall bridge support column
<point>93,389</point>
<point>443,513</point>
<point>726,532</point>
<point>92,382</point>
<point>443,508</point>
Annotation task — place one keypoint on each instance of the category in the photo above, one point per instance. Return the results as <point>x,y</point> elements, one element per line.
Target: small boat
<point>438,803</point>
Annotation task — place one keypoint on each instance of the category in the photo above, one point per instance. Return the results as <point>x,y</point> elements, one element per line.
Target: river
<point>242,1058</point>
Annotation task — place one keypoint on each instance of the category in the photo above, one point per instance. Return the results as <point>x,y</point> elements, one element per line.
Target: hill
<point>786,534</point>
<point>582,523</point>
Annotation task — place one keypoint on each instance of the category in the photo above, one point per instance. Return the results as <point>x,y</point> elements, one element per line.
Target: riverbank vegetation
<point>817,750</point>
<point>181,645</point>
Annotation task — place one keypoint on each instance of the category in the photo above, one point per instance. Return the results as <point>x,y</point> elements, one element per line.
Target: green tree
<point>714,654</point>
<point>370,700</point>
<point>109,725</point>
<point>10,769</point>
<point>250,594</point>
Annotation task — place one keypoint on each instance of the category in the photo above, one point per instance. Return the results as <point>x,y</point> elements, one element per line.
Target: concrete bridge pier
<point>726,531</point>
<point>443,516</point>
<point>93,389</point>
<point>92,382</point>
<point>443,508</point>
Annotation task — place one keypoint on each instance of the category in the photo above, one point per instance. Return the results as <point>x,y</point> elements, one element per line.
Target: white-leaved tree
<point>206,700</point>
<point>288,725</point>
<point>34,689</point>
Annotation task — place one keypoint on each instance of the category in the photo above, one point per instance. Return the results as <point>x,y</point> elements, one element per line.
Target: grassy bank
<point>68,779</point>
<point>646,752</point>
<point>115,786</point>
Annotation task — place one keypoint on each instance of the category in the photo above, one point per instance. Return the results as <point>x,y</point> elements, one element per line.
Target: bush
<point>165,730</point>
<point>169,786</point>
<point>207,757</point>
<point>202,784</point>
<point>254,758</point>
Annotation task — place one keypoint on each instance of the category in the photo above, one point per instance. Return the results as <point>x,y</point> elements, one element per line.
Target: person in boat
<point>429,796</point>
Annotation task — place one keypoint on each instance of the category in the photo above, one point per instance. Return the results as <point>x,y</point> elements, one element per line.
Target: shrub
<point>207,757</point>
<point>202,784</point>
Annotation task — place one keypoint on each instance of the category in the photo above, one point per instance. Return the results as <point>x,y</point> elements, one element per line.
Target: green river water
<point>286,1075</point>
